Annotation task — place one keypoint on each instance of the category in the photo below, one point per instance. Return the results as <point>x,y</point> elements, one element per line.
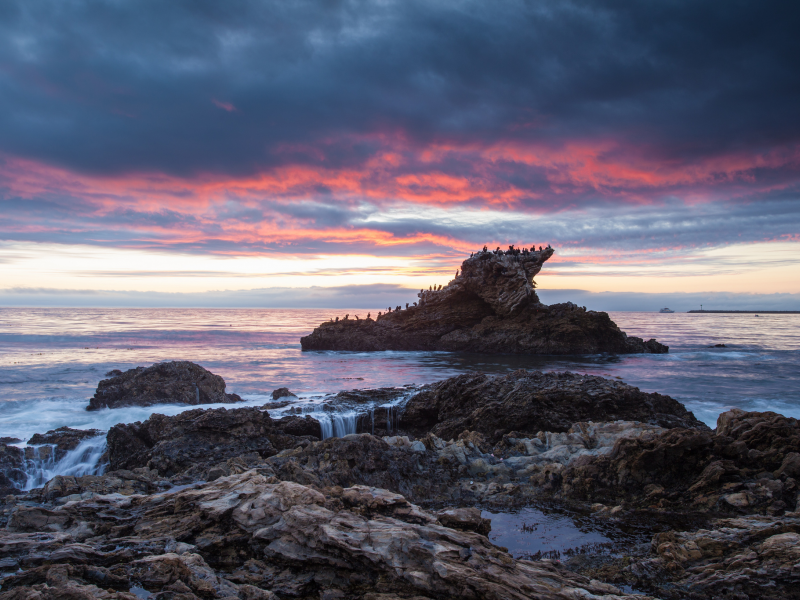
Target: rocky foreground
<point>231,503</point>
<point>490,307</point>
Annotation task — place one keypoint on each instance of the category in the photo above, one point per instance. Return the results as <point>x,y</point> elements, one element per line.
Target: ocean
<point>52,359</point>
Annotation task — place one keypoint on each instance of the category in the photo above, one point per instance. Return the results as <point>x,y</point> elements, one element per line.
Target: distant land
<point>750,312</point>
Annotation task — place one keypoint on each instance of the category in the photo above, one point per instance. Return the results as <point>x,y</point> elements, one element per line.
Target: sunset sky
<point>168,152</point>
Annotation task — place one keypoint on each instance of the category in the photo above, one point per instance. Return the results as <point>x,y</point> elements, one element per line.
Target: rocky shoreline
<point>491,307</point>
<point>233,503</point>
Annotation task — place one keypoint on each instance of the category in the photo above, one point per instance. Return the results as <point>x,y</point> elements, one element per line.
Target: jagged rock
<point>67,488</point>
<point>746,557</point>
<point>376,395</point>
<point>194,441</point>
<point>299,426</point>
<point>65,581</point>
<point>532,401</point>
<point>364,459</point>
<point>282,393</point>
<point>745,466</point>
<point>176,382</point>
<point>230,533</point>
<point>491,307</point>
<point>465,471</point>
<point>64,439</point>
<point>248,537</point>
<point>12,469</point>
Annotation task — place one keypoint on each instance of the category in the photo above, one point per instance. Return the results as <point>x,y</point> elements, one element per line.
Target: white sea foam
<point>23,419</point>
<point>84,459</point>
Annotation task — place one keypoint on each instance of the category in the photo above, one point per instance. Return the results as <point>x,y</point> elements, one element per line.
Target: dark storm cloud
<point>236,87</point>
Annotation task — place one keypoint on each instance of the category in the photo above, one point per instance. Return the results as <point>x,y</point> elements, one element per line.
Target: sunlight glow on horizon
<point>746,268</point>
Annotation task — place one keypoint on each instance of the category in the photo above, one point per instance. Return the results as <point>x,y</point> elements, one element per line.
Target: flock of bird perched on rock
<point>511,250</point>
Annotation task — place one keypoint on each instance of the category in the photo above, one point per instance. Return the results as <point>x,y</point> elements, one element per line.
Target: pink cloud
<point>227,106</point>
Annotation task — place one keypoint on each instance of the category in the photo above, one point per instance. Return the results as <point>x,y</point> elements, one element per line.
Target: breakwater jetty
<point>749,312</point>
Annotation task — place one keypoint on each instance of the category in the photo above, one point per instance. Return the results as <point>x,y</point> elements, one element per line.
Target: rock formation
<point>194,442</point>
<point>530,401</point>
<point>729,499</point>
<point>177,382</point>
<point>12,469</point>
<point>282,393</point>
<point>264,509</point>
<point>251,537</point>
<point>490,307</point>
<point>750,463</point>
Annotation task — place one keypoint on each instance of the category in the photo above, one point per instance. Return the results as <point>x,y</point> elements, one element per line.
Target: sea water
<point>52,359</point>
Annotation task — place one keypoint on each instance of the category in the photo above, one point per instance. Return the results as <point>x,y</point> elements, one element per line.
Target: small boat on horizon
<point>666,310</point>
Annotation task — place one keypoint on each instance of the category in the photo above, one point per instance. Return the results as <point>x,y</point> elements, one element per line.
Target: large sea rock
<point>527,402</point>
<point>490,307</point>
<point>175,382</point>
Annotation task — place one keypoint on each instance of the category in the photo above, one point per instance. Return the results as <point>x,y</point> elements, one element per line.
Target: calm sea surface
<point>52,359</point>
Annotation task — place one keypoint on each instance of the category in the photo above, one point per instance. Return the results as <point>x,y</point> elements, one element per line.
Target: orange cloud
<point>490,177</point>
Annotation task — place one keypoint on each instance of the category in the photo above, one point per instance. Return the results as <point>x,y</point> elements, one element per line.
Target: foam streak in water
<point>84,459</point>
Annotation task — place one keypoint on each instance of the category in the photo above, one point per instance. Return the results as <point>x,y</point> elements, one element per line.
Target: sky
<point>347,153</point>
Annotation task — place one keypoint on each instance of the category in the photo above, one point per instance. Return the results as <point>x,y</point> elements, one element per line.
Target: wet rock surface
<point>176,382</point>
<point>252,537</point>
<point>490,307</point>
<point>12,469</point>
<point>741,481</point>
<point>749,464</point>
<point>532,401</point>
<point>282,393</point>
<point>232,503</point>
<point>199,444</point>
<point>63,439</point>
